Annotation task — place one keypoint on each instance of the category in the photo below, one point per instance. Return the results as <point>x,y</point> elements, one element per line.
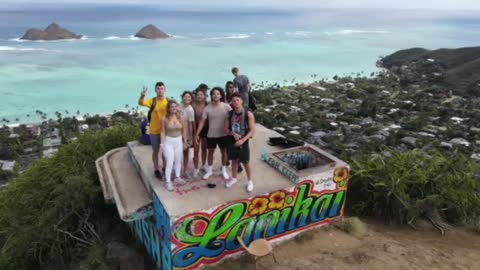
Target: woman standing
<point>174,138</point>
<point>198,106</point>
<point>188,114</point>
<point>229,89</point>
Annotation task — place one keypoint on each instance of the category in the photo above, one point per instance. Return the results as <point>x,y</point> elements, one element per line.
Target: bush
<point>414,184</point>
<point>54,211</point>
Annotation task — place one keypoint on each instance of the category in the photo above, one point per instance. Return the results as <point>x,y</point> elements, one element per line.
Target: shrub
<point>413,184</point>
<point>54,211</point>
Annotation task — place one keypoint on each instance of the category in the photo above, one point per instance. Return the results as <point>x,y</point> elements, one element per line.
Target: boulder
<point>409,141</point>
<point>52,32</point>
<point>151,32</point>
<point>460,141</point>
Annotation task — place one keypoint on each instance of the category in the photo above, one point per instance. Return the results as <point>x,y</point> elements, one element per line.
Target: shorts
<point>204,132</point>
<point>155,141</point>
<point>239,153</point>
<point>213,142</point>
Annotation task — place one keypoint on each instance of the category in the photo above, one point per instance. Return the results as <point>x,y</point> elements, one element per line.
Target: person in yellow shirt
<point>158,109</point>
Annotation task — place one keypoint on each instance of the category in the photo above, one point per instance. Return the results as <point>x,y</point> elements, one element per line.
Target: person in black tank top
<point>241,127</point>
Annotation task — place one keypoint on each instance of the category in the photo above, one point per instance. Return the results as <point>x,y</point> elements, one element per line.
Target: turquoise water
<point>107,70</point>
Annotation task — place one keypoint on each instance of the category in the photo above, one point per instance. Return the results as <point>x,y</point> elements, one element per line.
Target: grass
<point>415,184</point>
<point>54,213</point>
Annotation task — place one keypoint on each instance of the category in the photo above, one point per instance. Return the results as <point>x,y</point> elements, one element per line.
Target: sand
<point>383,247</point>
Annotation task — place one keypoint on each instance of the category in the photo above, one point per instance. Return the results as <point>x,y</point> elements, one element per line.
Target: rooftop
<point>121,178</point>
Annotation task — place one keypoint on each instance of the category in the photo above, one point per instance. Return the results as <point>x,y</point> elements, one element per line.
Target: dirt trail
<point>384,247</point>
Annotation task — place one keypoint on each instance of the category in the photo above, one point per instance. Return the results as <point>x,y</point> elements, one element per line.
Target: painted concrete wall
<point>209,236</point>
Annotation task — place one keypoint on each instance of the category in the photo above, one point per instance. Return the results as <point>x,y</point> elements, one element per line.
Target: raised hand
<point>144,91</point>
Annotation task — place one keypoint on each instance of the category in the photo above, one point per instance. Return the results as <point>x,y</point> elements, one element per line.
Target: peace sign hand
<point>144,91</point>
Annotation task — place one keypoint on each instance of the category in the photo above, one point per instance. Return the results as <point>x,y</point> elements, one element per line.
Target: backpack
<point>152,108</point>
<point>245,119</point>
<point>144,138</point>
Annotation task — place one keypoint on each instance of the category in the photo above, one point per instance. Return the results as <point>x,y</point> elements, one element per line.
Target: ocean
<point>105,71</point>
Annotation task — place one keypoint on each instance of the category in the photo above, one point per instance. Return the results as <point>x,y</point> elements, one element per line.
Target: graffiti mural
<point>144,230</point>
<point>162,221</point>
<point>207,237</point>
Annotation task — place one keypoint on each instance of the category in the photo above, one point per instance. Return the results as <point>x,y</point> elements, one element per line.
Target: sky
<point>282,4</point>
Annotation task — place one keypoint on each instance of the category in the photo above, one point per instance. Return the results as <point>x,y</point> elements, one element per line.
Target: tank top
<point>173,129</point>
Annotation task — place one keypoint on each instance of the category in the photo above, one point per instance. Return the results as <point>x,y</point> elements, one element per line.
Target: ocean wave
<point>111,38</point>
<point>176,36</point>
<point>17,40</point>
<point>25,49</point>
<point>132,37</point>
<point>232,36</point>
<point>299,33</point>
<point>353,32</point>
<point>269,33</point>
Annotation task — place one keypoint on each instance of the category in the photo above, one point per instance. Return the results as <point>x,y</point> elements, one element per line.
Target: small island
<point>53,32</point>
<point>151,32</point>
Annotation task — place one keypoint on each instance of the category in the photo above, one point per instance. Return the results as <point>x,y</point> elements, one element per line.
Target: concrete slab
<point>104,182</point>
<point>132,199</point>
<point>195,195</point>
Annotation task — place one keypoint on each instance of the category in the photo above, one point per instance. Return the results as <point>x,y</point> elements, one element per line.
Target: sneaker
<point>250,186</point>
<point>204,168</point>
<point>225,173</point>
<point>208,174</point>
<point>158,174</point>
<point>169,186</point>
<point>196,174</point>
<point>231,182</point>
<point>179,181</point>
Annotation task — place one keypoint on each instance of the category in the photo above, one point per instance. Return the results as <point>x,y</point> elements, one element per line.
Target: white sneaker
<point>225,173</point>
<point>196,173</point>
<point>169,186</point>
<point>179,181</point>
<point>208,174</point>
<point>250,186</point>
<point>204,168</point>
<point>231,182</point>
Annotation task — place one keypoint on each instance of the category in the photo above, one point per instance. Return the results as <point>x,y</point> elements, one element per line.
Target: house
<point>7,165</point>
<point>49,152</point>
<point>52,142</point>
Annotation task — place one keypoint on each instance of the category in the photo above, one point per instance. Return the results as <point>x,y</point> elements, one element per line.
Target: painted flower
<point>277,200</point>
<point>340,174</point>
<point>258,206</point>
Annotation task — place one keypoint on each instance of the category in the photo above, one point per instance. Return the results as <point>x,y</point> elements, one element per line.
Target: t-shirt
<point>157,114</point>
<point>216,115</point>
<point>189,114</point>
<point>238,124</point>
<point>243,84</point>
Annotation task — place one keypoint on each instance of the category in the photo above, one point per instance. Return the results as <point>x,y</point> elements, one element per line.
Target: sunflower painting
<point>341,174</point>
<point>277,200</point>
<point>258,206</point>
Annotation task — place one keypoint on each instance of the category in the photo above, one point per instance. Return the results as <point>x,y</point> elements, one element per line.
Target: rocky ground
<point>381,247</point>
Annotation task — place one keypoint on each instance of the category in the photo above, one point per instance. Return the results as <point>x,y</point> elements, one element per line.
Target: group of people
<point>225,122</point>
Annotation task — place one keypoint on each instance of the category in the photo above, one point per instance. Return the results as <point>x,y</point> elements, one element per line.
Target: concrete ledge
<point>132,199</point>
<point>104,182</point>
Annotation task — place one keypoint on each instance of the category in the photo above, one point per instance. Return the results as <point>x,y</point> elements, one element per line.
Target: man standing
<point>157,110</point>
<point>240,127</point>
<point>216,113</point>
<point>243,86</point>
